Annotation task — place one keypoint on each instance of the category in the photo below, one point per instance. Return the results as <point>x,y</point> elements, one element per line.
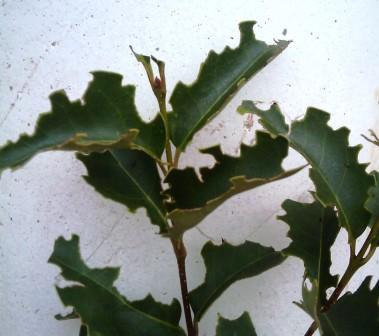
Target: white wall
<point>48,45</point>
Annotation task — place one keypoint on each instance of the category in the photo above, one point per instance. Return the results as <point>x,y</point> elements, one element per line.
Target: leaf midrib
<point>61,262</point>
<point>225,92</point>
<point>148,198</point>
<point>229,278</point>
<point>298,148</point>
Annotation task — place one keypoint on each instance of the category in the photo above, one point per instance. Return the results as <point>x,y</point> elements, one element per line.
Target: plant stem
<point>176,157</point>
<point>180,253</point>
<point>162,167</point>
<point>312,328</point>
<point>370,237</point>
<point>356,261</point>
<point>351,269</point>
<point>163,110</point>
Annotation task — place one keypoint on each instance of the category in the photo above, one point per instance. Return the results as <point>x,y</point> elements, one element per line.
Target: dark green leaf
<point>226,264</point>
<point>192,198</point>
<point>106,118</point>
<point>101,307</point>
<point>170,313</point>
<point>83,330</point>
<point>70,316</point>
<point>220,76</point>
<point>339,178</point>
<point>372,203</point>
<point>130,177</point>
<point>313,230</point>
<point>238,327</point>
<point>353,314</point>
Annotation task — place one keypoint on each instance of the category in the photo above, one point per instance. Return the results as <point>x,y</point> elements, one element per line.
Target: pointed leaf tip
<point>102,309</point>
<point>106,118</point>
<point>219,78</point>
<point>335,168</point>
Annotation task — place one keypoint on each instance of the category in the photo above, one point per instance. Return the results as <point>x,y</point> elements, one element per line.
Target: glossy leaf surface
<point>226,264</point>
<point>313,230</point>
<point>339,178</point>
<point>130,177</point>
<point>102,309</point>
<point>106,118</point>
<point>353,314</point>
<point>220,76</point>
<point>192,198</point>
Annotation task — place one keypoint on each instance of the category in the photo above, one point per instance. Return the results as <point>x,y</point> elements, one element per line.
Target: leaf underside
<point>226,264</point>
<point>192,198</point>
<point>313,230</point>
<point>106,118</point>
<point>241,326</point>
<point>102,309</point>
<point>353,314</point>
<point>339,178</point>
<point>130,177</point>
<point>220,76</point>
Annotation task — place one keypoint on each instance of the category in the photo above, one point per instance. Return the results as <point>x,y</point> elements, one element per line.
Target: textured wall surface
<point>333,64</point>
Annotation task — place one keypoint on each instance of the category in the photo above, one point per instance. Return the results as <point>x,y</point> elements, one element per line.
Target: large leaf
<point>226,264</point>
<point>313,230</point>
<point>220,76</point>
<point>130,177</point>
<point>339,178</point>
<point>353,314</point>
<point>106,118</point>
<point>192,198</point>
<point>103,310</point>
<point>241,326</point>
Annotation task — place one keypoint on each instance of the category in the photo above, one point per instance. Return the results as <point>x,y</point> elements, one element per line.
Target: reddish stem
<point>181,254</point>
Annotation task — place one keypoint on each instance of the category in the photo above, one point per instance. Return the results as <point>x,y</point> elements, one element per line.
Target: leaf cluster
<point>137,164</point>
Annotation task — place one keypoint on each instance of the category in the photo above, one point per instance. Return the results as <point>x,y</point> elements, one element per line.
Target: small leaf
<point>103,310</point>
<point>241,326</point>
<point>192,198</point>
<point>226,264</point>
<point>220,76</point>
<point>353,314</point>
<point>70,316</point>
<point>339,178</point>
<point>310,300</point>
<point>130,177</point>
<point>313,230</point>
<point>106,118</point>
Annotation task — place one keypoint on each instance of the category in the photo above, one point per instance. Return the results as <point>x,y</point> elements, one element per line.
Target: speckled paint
<point>333,64</point>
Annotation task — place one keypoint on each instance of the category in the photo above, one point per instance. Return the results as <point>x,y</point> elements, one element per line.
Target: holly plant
<point>136,163</point>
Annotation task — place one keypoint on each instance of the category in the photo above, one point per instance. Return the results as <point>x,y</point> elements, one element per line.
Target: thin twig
<point>176,157</point>
<point>312,328</point>
<point>162,167</point>
<point>180,253</point>
<point>356,261</point>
